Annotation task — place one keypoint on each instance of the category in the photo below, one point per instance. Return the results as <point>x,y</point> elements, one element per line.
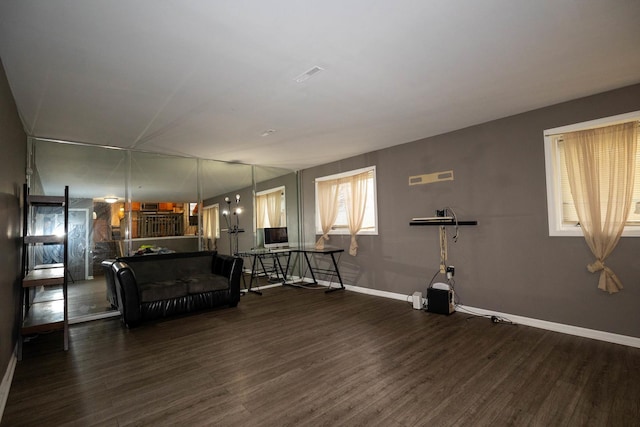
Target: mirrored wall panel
<point>276,206</point>
<point>132,203</point>
<point>96,178</point>
<point>161,200</point>
<point>227,206</point>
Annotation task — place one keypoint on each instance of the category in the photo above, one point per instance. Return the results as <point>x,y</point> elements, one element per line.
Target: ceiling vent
<point>307,74</point>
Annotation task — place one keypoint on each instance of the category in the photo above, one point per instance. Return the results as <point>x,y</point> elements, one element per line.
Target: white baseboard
<point>5,386</point>
<point>521,320</point>
<point>556,327</point>
<point>92,317</point>
<point>375,292</point>
<point>260,288</point>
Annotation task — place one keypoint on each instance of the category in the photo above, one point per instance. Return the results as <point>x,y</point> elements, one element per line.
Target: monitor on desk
<point>276,237</point>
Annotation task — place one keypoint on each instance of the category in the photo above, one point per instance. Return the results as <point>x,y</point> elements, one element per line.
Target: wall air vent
<point>307,74</point>
<point>431,177</point>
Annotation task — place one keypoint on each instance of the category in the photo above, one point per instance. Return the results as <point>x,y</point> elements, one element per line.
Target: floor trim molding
<point>521,320</point>
<point>92,317</point>
<point>7,379</point>
<point>556,327</point>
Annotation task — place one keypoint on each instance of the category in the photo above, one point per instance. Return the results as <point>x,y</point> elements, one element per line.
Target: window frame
<point>344,229</point>
<point>553,175</point>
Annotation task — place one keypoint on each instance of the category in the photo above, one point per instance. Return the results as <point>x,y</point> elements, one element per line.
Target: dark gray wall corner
<point>13,144</point>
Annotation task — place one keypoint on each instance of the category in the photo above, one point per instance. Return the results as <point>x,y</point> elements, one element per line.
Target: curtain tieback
<point>353,247</point>
<point>608,282</point>
<point>320,242</point>
<point>597,265</point>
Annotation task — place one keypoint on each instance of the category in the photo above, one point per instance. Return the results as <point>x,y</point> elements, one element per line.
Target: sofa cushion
<point>205,282</point>
<point>195,265</point>
<point>165,267</point>
<point>157,291</point>
<point>153,272</point>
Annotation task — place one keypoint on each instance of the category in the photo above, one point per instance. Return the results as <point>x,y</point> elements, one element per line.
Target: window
<point>563,217</point>
<point>341,181</point>
<point>271,208</point>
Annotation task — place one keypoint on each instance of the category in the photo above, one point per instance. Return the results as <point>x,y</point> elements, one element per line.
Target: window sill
<point>577,232</point>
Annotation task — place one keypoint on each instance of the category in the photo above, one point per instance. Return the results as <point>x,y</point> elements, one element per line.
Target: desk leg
<point>282,272</point>
<point>313,276</point>
<point>335,267</point>
<point>253,274</point>
<point>286,271</point>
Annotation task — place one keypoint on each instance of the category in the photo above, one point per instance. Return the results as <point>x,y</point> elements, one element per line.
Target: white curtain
<point>355,200</point>
<point>274,208</point>
<point>210,227</point>
<point>261,210</point>
<point>269,207</point>
<point>601,169</point>
<point>327,208</point>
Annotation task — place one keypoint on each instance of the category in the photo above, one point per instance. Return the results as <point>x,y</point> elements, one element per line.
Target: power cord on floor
<point>499,319</point>
<point>476,315</point>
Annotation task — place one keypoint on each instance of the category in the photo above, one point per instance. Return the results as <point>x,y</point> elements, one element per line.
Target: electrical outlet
<point>450,272</point>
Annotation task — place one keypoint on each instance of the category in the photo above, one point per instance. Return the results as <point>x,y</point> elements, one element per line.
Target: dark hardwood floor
<point>303,357</point>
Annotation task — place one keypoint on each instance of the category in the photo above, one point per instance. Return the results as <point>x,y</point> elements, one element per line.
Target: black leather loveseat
<point>152,286</point>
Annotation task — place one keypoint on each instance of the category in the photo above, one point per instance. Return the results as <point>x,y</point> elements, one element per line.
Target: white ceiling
<point>207,78</point>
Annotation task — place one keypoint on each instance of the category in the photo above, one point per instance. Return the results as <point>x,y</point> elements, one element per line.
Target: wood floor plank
<point>298,357</point>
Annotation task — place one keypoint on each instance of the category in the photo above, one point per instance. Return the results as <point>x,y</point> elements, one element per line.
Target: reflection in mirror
<point>162,191</point>
<point>277,206</point>
<point>125,202</point>
<point>271,213</point>
<point>227,200</point>
<point>271,208</point>
<point>96,180</point>
<point>210,226</point>
<point>276,202</point>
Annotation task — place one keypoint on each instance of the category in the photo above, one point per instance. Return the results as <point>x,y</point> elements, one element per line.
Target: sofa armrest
<point>234,281</point>
<point>127,292</point>
<point>110,282</point>
<point>231,268</point>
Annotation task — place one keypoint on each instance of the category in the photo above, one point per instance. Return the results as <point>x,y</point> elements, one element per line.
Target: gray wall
<point>13,146</point>
<point>507,263</point>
